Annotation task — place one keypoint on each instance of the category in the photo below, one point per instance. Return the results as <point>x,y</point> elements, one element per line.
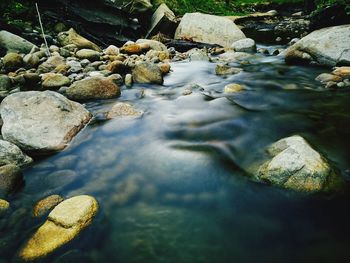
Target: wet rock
<point>11,154</point>
<point>4,206</point>
<point>232,88</point>
<point>343,72</point>
<point>13,43</point>
<point>128,80</point>
<point>327,46</point>
<point>297,166</point>
<point>326,77</point>
<point>122,109</point>
<point>93,88</point>
<point>12,61</point>
<point>51,63</point>
<point>89,54</point>
<point>55,81</point>
<point>45,205</point>
<point>224,69</point>
<point>146,73</point>
<point>164,68</point>
<point>208,29</point>
<point>41,122</point>
<point>231,56</point>
<point>10,178</point>
<point>72,37</point>
<point>64,223</point>
<point>153,44</point>
<point>244,45</point>
<point>197,55</point>
<point>135,48</point>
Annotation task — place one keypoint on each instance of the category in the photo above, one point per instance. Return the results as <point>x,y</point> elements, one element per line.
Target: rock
<point>197,55</point>
<point>135,48</point>
<point>72,37</point>
<point>5,83</point>
<point>128,80</point>
<point>112,50</point>
<point>146,73</point>
<point>32,81</point>
<point>55,81</point>
<point>122,109</point>
<point>11,154</point>
<point>93,88</point>
<point>13,43</point>
<point>153,44</point>
<point>208,29</point>
<point>116,67</point>
<point>326,77</point>
<point>45,205</point>
<point>224,69</point>
<point>164,68</point>
<point>163,21</point>
<point>343,72</point>
<point>12,61</point>
<point>244,45</point>
<point>31,60</point>
<point>297,166</point>
<point>10,178</point>
<point>4,206</point>
<point>63,224</point>
<point>41,122</point>
<point>331,85</point>
<point>51,63</point>
<point>327,46</point>
<point>74,66</point>
<point>231,56</point>
<point>232,88</point>
<point>89,54</point>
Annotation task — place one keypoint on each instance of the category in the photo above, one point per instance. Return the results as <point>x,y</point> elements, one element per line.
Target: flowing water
<point>173,185</point>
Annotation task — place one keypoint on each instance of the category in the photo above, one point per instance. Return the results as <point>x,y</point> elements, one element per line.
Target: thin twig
<point>42,30</point>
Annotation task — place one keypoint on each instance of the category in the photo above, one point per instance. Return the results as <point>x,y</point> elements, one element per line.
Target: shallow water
<point>172,185</point>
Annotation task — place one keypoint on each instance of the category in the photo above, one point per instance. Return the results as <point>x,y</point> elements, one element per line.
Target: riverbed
<point>173,185</point>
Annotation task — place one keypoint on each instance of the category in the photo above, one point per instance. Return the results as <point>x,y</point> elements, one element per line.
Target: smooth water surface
<point>173,185</point>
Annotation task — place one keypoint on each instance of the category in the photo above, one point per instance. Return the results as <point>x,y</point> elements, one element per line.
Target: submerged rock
<point>297,166</point>
<point>46,204</point>
<point>122,109</point>
<point>224,69</point>
<point>327,46</point>
<point>64,223</point>
<point>72,37</point>
<point>13,43</point>
<point>232,88</point>
<point>146,73</point>
<point>208,29</point>
<point>41,122</point>
<point>4,206</point>
<point>10,178</point>
<point>93,88</point>
<point>11,154</point>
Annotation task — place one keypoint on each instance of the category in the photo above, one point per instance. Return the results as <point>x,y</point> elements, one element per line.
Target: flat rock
<point>327,46</point>
<point>55,81</point>
<point>208,29</point>
<point>93,88</point>
<point>89,54</point>
<point>11,154</point>
<point>41,122</point>
<point>13,43</point>
<point>297,166</point>
<point>63,224</point>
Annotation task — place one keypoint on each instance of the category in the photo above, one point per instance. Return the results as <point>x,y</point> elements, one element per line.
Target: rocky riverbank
<point>44,90</point>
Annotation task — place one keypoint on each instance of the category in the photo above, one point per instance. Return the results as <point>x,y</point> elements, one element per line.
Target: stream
<point>173,185</point>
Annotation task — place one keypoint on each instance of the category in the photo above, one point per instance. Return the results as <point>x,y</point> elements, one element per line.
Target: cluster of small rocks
<point>338,78</point>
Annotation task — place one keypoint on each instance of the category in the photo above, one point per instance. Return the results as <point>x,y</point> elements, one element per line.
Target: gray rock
<point>11,154</point>
<point>41,122</point>
<point>296,165</point>
<point>197,55</point>
<point>5,83</point>
<point>208,29</point>
<point>122,109</point>
<point>31,60</point>
<point>75,66</point>
<point>89,54</point>
<point>146,73</point>
<point>244,45</point>
<point>55,81</point>
<point>328,46</point>
<point>14,43</point>
<point>93,88</point>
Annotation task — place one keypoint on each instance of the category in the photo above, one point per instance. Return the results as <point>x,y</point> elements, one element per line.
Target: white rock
<point>244,45</point>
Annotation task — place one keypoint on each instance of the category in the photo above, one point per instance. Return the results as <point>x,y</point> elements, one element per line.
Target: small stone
<point>10,178</point>
<point>31,60</point>
<point>331,85</point>
<point>116,67</point>
<point>232,88</point>
<point>122,109</point>
<point>55,81</point>
<point>244,45</point>
<point>12,61</point>
<point>326,77</point>
<point>89,54</point>
<point>164,68</point>
<point>135,48</point>
<point>128,80</point>
<point>4,206</point>
<point>112,50</point>
<point>5,83</point>
<point>45,205</point>
<point>223,69</point>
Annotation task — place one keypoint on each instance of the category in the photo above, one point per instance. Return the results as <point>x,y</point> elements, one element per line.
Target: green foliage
<point>17,12</point>
<point>323,3</point>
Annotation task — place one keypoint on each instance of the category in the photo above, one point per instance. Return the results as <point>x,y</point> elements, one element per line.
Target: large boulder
<point>208,29</point>
<point>72,37</point>
<point>63,224</point>
<point>297,166</point>
<point>41,122</point>
<point>11,154</point>
<point>93,88</point>
<point>327,46</point>
<point>13,43</point>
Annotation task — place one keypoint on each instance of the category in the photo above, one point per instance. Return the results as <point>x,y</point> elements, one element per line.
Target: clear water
<point>172,185</point>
